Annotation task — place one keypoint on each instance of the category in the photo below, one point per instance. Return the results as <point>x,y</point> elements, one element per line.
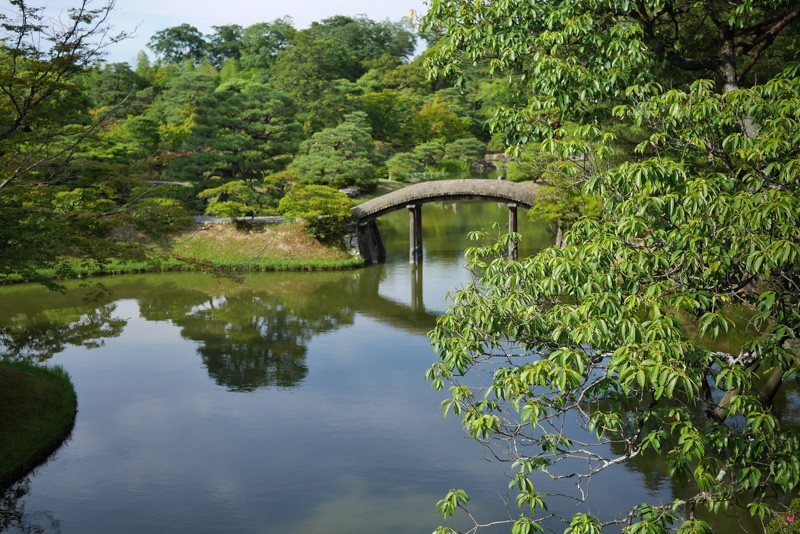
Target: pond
<point>291,402</point>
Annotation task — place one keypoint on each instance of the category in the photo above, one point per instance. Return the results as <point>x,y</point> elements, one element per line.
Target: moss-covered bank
<point>284,246</point>
<point>37,412</point>
<point>224,248</point>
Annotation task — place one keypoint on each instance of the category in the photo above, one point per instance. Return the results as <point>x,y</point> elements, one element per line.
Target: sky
<point>149,16</point>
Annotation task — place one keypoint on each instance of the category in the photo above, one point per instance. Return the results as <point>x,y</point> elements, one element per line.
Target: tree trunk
<point>559,235</point>
<point>772,386</point>
<point>721,411</point>
<point>730,81</point>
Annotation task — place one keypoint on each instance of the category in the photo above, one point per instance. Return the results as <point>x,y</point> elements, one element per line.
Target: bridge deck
<point>497,190</point>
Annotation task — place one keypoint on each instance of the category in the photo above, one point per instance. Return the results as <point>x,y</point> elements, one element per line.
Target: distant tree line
<point>341,103</point>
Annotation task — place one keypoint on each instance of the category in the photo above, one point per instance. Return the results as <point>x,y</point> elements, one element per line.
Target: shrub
<point>324,209</point>
<point>787,523</point>
<point>403,164</point>
<point>234,199</point>
<point>467,149</point>
<point>453,166</point>
<point>519,173</point>
<point>340,156</point>
<point>160,216</point>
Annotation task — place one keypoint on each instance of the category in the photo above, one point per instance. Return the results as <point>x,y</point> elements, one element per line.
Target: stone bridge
<point>414,196</point>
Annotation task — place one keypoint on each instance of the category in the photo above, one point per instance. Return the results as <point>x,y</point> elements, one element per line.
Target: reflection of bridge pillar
<point>370,243</point>
<point>512,227</point>
<point>416,288</point>
<point>415,233</point>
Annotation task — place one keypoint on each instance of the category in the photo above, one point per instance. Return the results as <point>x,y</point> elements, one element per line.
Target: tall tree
<point>178,44</point>
<point>367,39</point>
<point>225,44</point>
<point>241,131</point>
<point>434,120</point>
<point>568,57</point>
<point>111,84</point>
<point>175,107</point>
<point>39,67</point>
<point>144,69</point>
<point>387,111</point>
<point>620,330</point>
<point>262,41</point>
<point>310,71</point>
<point>43,120</point>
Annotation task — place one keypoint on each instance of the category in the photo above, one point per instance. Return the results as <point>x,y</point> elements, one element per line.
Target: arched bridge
<point>412,198</point>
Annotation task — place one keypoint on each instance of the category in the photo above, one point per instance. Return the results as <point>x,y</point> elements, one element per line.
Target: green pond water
<point>291,402</point>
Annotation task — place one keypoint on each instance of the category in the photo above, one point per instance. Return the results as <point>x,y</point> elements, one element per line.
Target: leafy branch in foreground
<point>40,61</point>
<point>616,331</point>
<point>667,323</point>
<point>57,209</point>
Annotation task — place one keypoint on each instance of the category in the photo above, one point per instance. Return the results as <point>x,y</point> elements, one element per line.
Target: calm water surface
<point>293,402</point>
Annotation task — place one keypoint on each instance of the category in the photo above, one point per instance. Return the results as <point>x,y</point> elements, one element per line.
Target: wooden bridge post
<point>415,233</point>
<point>413,196</point>
<point>370,242</point>
<point>512,227</point>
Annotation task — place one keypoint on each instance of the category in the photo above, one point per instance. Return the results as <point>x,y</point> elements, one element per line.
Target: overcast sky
<point>153,15</point>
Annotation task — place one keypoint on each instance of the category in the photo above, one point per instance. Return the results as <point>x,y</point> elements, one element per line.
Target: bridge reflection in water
<point>416,288</point>
<point>414,196</point>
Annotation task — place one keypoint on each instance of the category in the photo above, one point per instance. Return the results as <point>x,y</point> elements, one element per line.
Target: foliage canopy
<point>50,207</point>
<point>634,328</point>
<point>241,131</point>
<point>340,156</point>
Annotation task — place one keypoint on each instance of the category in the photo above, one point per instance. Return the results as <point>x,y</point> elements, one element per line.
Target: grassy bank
<point>265,247</point>
<point>37,412</point>
<point>262,248</point>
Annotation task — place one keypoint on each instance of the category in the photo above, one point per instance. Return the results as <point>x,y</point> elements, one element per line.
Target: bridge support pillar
<point>370,243</point>
<point>512,227</point>
<point>415,233</point>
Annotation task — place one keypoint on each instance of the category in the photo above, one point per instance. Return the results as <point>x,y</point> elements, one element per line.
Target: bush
<point>788,523</point>
<point>424,159</point>
<point>340,157</point>
<point>403,164</point>
<point>324,209</point>
<point>453,166</point>
<point>430,153</point>
<point>381,173</point>
<point>429,176</point>
<point>160,216</point>
<point>467,149</point>
<point>518,173</point>
<point>234,199</point>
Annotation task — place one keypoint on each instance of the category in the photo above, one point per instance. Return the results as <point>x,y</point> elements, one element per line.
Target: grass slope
<point>269,247</point>
<point>223,247</point>
<point>37,412</point>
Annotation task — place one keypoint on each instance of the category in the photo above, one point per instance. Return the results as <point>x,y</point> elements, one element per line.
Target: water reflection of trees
<point>249,335</point>
<point>250,340</point>
<point>13,514</point>
<point>42,334</point>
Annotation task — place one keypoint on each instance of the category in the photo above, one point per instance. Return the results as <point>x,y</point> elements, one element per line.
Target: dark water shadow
<point>14,516</point>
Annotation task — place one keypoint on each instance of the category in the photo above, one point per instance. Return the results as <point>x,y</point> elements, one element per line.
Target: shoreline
<point>219,248</point>
<point>36,430</point>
